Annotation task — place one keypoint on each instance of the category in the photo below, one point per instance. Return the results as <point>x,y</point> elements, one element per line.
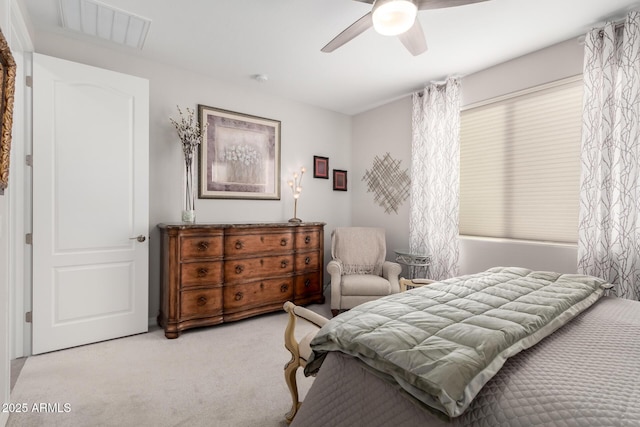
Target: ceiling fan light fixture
<point>393,17</point>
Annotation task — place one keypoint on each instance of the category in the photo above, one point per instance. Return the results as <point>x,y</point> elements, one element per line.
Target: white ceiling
<point>233,40</point>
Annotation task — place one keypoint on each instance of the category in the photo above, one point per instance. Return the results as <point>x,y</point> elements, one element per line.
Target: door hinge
<point>29,81</point>
<point>28,238</point>
<point>29,160</point>
<point>27,317</point>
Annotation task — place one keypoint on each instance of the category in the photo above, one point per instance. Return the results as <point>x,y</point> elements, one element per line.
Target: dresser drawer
<point>307,284</point>
<point>248,244</point>
<point>307,261</point>
<point>308,239</point>
<point>253,294</point>
<point>196,247</point>
<point>201,273</point>
<point>196,303</point>
<point>256,268</point>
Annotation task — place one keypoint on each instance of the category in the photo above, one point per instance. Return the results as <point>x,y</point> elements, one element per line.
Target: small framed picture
<point>320,167</point>
<point>339,180</point>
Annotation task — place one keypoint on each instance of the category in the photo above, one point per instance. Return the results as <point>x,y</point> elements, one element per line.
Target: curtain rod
<point>457,77</point>
<point>617,24</point>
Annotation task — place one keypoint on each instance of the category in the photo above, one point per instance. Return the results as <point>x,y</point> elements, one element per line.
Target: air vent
<point>108,23</point>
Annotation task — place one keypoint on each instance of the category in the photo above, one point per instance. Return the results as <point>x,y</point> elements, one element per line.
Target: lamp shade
<point>393,17</point>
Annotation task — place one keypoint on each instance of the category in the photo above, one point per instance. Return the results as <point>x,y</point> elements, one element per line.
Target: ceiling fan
<point>395,17</point>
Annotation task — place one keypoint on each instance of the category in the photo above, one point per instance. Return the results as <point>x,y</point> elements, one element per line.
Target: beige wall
<point>306,131</point>
<point>388,129</point>
<point>351,143</point>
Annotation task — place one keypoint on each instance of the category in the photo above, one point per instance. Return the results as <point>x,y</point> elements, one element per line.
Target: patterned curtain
<point>435,189</point>
<point>608,239</point>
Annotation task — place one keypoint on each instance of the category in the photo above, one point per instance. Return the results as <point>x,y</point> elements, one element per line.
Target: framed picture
<point>320,167</point>
<point>7,90</point>
<point>239,156</point>
<point>339,180</point>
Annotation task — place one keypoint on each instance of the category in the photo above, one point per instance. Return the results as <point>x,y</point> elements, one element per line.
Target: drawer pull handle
<point>284,263</point>
<point>239,269</point>
<point>239,244</point>
<point>202,301</point>
<point>203,245</point>
<point>284,288</point>
<point>307,283</point>
<point>202,272</point>
<point>283,242</point>
<point>307,260</point>
<point>307,239</point>
<point>239,296</point>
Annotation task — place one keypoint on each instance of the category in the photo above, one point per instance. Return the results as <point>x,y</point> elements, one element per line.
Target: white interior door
<point>90,202</point>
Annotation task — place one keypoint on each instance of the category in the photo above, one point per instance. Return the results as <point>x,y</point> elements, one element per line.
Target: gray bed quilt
<point>443,342</point>
<point>584,374</point>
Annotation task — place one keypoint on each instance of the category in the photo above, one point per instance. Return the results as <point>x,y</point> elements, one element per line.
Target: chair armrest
<point>300,350</point>
<point>391,271</point>
<point>305,314</point>
<point>334,268</point>
<point>290,341</point>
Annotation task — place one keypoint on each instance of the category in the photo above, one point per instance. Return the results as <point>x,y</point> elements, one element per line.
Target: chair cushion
<point>364,284</point>
<point>362,250</point>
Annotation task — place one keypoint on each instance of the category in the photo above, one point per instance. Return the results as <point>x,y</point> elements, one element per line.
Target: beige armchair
<point>358,269</point>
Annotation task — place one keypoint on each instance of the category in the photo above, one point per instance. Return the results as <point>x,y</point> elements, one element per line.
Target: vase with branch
<point>190,134</point>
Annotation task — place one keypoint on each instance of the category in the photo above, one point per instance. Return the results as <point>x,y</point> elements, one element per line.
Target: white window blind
<point>520,165</point>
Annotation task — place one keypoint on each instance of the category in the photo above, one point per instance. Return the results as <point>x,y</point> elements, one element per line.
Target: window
<point>520,164</point>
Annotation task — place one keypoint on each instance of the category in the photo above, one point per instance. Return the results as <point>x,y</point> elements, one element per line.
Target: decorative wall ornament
<point>390,185</point>
<point>7,90</point>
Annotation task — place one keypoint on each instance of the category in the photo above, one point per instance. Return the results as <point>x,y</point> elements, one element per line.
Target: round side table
<point>414,262</point>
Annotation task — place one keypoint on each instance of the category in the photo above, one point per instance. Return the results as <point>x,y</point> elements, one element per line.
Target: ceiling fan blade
<point>366,1</point>
<point>440,4</point>
<point>414,39</point>
<point>354,30</point>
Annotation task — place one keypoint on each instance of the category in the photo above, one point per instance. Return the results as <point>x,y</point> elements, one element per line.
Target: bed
<point>578,366</point>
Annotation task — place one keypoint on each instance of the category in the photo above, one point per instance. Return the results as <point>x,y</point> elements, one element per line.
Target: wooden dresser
<point>215,273</point>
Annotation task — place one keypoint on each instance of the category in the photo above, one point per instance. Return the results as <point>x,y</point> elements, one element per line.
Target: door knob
<point>139,238</point>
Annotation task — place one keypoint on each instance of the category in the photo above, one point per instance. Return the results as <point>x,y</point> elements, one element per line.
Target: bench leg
<point>290,378</point>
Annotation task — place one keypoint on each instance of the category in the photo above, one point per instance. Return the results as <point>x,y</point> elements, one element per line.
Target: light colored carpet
<point>225,375</point>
